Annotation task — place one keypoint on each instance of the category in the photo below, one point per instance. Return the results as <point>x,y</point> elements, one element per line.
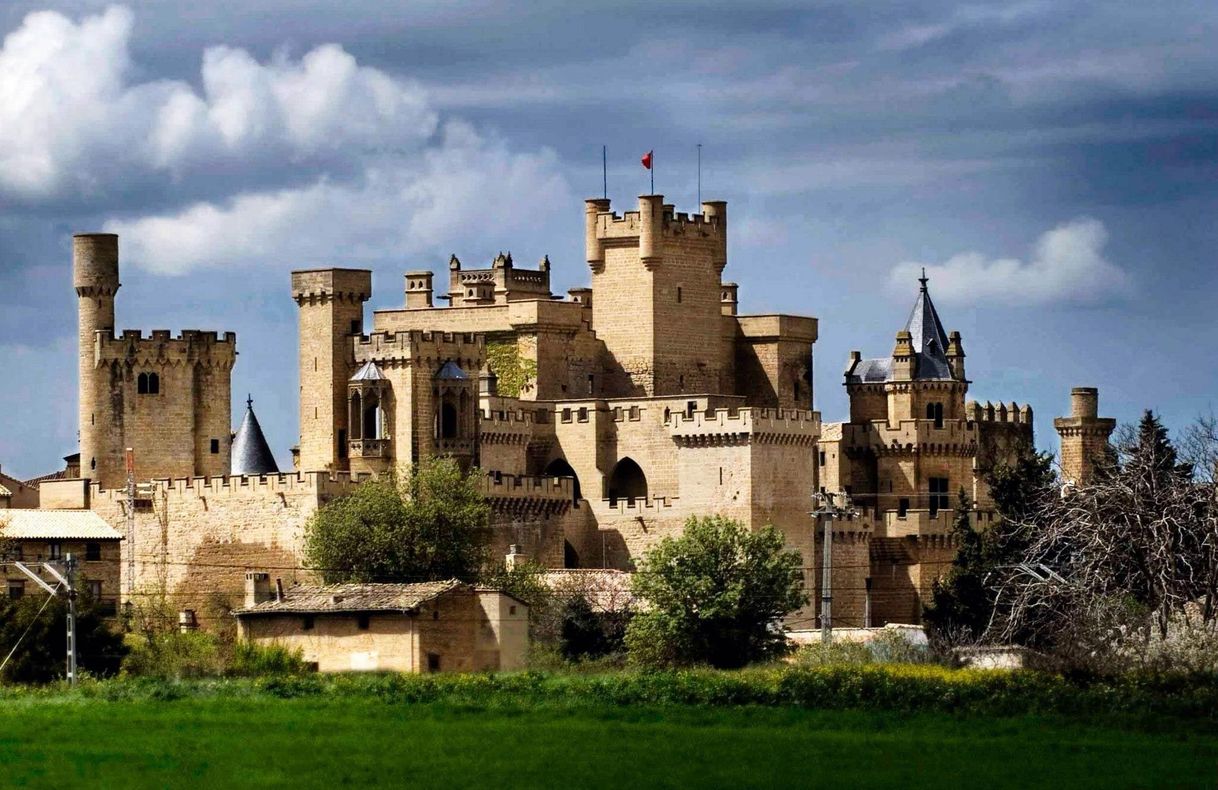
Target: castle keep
<point>166,398</point>
<point>601,420</point>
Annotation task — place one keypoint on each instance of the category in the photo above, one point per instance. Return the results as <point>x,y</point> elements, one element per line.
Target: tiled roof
<point>310,599</point>
<point>870,371</point>
<point>22,524</point>
<point>60,475</point>
<point>452,371</point>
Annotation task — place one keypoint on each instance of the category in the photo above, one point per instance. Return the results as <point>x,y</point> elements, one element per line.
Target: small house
<point>445,626</point>
<point>36,536</point>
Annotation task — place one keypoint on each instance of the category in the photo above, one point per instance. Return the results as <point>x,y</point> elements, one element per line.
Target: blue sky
<point>1053,165</point>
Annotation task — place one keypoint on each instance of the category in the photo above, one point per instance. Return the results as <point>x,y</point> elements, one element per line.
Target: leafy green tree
<point>431,524</point>
<point>41,655</point>
<point>714,596</point>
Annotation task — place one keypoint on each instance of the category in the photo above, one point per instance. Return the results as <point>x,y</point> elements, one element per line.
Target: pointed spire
<point>251,453</point>
<point>924,279</point>
<point>928,337</point>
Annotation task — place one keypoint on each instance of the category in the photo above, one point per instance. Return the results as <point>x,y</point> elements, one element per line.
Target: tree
<point>962,603</point>
<point>714,596</point>
<point>1112,563</point>
<point>41,655</point>
<point>431,524</point>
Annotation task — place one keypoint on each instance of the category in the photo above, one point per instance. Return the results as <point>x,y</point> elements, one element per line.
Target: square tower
<point>657,276</point>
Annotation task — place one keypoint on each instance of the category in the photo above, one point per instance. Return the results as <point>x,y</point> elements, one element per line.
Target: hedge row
<point>885,687</point>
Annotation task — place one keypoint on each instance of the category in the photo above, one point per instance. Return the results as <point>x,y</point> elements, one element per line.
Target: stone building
<point>166,398</point>
<point>647,390</point>
<point>37,536</point>
<point>602,420</point>
<point>912,444</point>
<point>445,626</point>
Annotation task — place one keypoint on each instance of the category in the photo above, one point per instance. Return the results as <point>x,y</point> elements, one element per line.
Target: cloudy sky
<point>1053,165</point>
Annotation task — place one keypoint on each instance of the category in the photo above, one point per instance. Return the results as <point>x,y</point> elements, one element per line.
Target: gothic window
<point>448,421</point>
<point>934,411</point>
<point>148,384</point>
<point>627,482</point>
<point>372,420</point>
<point>560,468</point>
<point>356,409</point>
<point>938,495</point>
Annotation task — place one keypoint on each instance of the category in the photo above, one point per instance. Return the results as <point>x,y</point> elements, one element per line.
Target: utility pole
<point>826,512</point>
<point>67,582</point>
<point>130,537</point>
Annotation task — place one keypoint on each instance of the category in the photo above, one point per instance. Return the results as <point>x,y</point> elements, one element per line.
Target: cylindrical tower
<point>95,277</point>
<point>651,224</point>
<point>595,249</point>
<point>1084,402</point>
<point>716,211</point>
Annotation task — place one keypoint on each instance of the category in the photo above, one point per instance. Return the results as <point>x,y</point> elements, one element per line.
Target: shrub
<point>715,596</point>
<point>172,655</point>
<point>253,660</point>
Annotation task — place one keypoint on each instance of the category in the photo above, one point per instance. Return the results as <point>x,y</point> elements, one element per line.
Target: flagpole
<point>652,170</point>
<point>699,174</point>
<point>605,171</point>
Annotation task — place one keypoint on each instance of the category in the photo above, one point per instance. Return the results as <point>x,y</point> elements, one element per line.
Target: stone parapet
<point>745,425</point>
<point>1002,412</point>
<point>910,436</point>
<point>195,347</point>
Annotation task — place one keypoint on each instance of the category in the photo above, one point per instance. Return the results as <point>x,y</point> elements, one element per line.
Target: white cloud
<point>1067,265</point>
<point>315,159</point>
<point>72,121</point>
<point>429,204</point>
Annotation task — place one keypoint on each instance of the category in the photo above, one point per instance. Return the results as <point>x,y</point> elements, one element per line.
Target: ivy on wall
<point>514,374</point>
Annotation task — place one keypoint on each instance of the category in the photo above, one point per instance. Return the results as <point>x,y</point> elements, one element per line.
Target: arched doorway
<point>627,482</point>
<point>560,468</point>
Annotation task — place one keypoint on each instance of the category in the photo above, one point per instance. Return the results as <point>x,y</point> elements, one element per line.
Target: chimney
<point>418,290</point>
<point>257,588</point>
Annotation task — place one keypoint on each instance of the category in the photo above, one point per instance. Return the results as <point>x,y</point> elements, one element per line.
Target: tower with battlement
<point>1084,435</point>
<point>656,274</point>
<point>911,445</point>
<point>331,303</point>
<point>165,397</point>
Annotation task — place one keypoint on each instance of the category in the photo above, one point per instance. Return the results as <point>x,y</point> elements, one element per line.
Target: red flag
<point>647,160</point>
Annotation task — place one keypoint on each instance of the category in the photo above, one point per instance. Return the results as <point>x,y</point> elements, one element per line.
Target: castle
<point>601,421</point>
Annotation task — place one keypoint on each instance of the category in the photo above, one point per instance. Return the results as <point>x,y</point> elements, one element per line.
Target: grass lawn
<point>323,742</point>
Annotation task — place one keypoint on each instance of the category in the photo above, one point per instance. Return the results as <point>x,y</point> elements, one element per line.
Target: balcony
<point>369,448</point>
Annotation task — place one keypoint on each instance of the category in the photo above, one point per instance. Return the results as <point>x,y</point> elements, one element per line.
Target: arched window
<point>372,419</point>
<point>448,420</point>
<point>148,384</point>
<point>934,411</point>
<point>355,412</point>
<point>627,482</point>
<point>560,468</point>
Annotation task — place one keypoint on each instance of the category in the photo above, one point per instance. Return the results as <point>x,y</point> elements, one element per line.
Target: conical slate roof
<point>251,454</point>
<point>929,339</point>
<point>369,372</point>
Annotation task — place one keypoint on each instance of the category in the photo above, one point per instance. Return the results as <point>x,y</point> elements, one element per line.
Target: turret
<point>903,357</point>
<point>955,355</point>
<point>715,212</point>
<point>729,298</point>
<point>651,229</point>
<point>1084,435</point>
<point>593,245</point>
<point>95,277</point>
<point>418,290</point>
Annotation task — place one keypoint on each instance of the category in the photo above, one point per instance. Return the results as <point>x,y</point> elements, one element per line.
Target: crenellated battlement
<point>910,436</point>
<point>609,225</point>
<point>752,424</point>
<point>420,347</point>
<point>161,347</point>
<point>1002,412</point>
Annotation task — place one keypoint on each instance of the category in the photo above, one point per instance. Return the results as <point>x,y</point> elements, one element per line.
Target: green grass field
<point>327,741</point>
